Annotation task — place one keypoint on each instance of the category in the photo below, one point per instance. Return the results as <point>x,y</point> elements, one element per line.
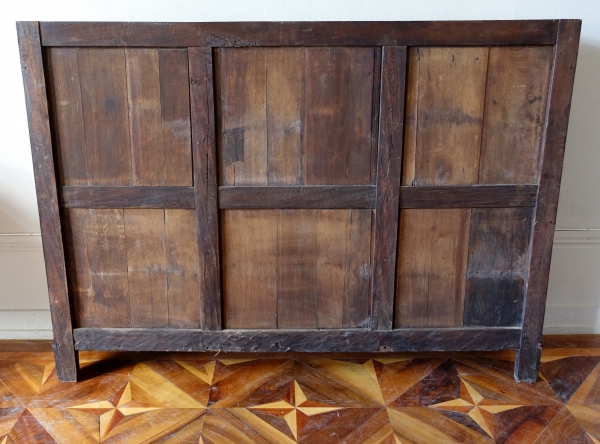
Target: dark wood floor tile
<point>566,375</point>
<point>28,430</point>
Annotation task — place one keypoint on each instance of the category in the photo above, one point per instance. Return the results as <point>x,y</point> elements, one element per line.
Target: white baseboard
<point>573,295</point>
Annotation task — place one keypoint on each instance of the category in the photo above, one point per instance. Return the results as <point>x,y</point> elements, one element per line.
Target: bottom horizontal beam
<point>313,341</point>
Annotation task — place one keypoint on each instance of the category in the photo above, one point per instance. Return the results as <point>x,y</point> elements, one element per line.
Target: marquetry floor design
<point>424,398</point>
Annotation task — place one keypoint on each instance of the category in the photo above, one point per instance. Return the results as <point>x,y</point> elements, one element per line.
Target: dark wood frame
<point>386,198</point>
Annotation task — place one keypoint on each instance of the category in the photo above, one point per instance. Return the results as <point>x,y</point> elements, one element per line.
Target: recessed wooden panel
<point>133,267</point>
<point>515,109</point>
<point>432,263</point>
<point>498,243</point>
<point>121,116</point>
<point>296,116</point>
<point>296,268</point>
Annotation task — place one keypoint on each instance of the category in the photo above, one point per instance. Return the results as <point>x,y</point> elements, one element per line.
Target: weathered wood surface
<point>205,184</point>
<point>389,164</point>
<point>295,116</point>
<point>413,339</point>
<point>126,197</point>
<point>296,268</point>
<point>298,197</point>
<point>498,32</point>
<point>557,120</point>
<point>468,196</point>
<point>32,69</point>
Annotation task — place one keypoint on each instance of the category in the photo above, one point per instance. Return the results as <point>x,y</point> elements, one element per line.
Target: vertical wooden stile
<point>389,164</point>
<point>204,155</point>
<point>553,148</point>
<point>45,184</point>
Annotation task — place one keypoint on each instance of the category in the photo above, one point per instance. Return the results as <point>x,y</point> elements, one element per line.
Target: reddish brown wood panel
<point>296,268</point>
<point>296,116</point>
<point>432,263</point>
<point>120,116</point>
<point>498,243</point>
<point>133,267</point>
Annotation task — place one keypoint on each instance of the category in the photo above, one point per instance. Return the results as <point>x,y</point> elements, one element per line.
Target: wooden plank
<point>410,125</point>
<point>97,257</point>
<point>515,109</point>
<point>205,183</point>
<point>298,197</point>
<point>243,136</point>
<point>175,116</point>
<point>389,160</point>
<point>498,243</point>
<point>146,266</point>
<point>67,119</point>
<point>297,256</point>
<point>432,264</point>
<point>413,339</point>
<point>473,196</point>
<point>497,32</point>
<point>285,102</point>
<point>103,81</point>
<point>126,197</point>
<point>250,268</point>
<point>337,130</point>
<point>451,91</point>
<point>182,269</point>
<point>555,133</point>
<point>32,69</point>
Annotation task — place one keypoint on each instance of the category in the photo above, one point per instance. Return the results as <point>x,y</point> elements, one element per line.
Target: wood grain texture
<point>126,197</point>
<point>296,268</point>
<point>205,184</point>
<point>97,256</point>
<point>557,118</point>
<point>472,196</point>
<point>498,244</point>
<point>389,164</point>
<point>449,113</point>
<point>298,197</point>
<point>410,117</point>
<point>293,116</point>
<point>103,82</point>
<point>497,32</point>
<point>432,264</point>
<point>32,70</point>
<point>413,339</point>
<point>515,111</point>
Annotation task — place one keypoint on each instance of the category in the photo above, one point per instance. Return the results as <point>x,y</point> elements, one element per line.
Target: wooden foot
<point>527,364</point>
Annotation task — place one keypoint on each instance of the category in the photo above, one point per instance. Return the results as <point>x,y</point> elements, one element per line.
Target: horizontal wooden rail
<point>358,340</point>
<point>468,196</point>
<point>450,33</point>
<point>127,197</point>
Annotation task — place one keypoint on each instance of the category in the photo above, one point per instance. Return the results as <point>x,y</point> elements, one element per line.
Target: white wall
<point>574,295</point>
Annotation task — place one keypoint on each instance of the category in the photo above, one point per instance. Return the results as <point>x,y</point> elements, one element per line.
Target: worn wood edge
<point>243,34</point>
<point>32,68</point>
<point>358,340</point>
<point>297,197</point>
<point>542,231</point>
<point>126,197</point>
<point>469,196</point>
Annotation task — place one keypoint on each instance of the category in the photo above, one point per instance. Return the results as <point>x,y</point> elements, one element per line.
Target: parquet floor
<point>409,398</point>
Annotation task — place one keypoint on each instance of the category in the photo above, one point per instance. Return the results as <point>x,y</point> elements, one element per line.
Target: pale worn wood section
<point>67,116</point>
<point>182,269</point>
<point>337,133</point>
<point>103,81</point>
<point>498,243</point>
<point>450,91</point>
<point>296,268</point>
<point>249,242</point>
<point>515,109</point>
<point>432,264</point>
<point>97,256</point>
<point>293,116</point>
<point>146,265</point>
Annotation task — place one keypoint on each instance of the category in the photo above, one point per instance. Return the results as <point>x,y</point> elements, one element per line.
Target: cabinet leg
<point>66,359</point>
<point>527,364</point>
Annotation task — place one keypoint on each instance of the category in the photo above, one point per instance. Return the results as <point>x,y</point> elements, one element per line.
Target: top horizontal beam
<point>241,34</point>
